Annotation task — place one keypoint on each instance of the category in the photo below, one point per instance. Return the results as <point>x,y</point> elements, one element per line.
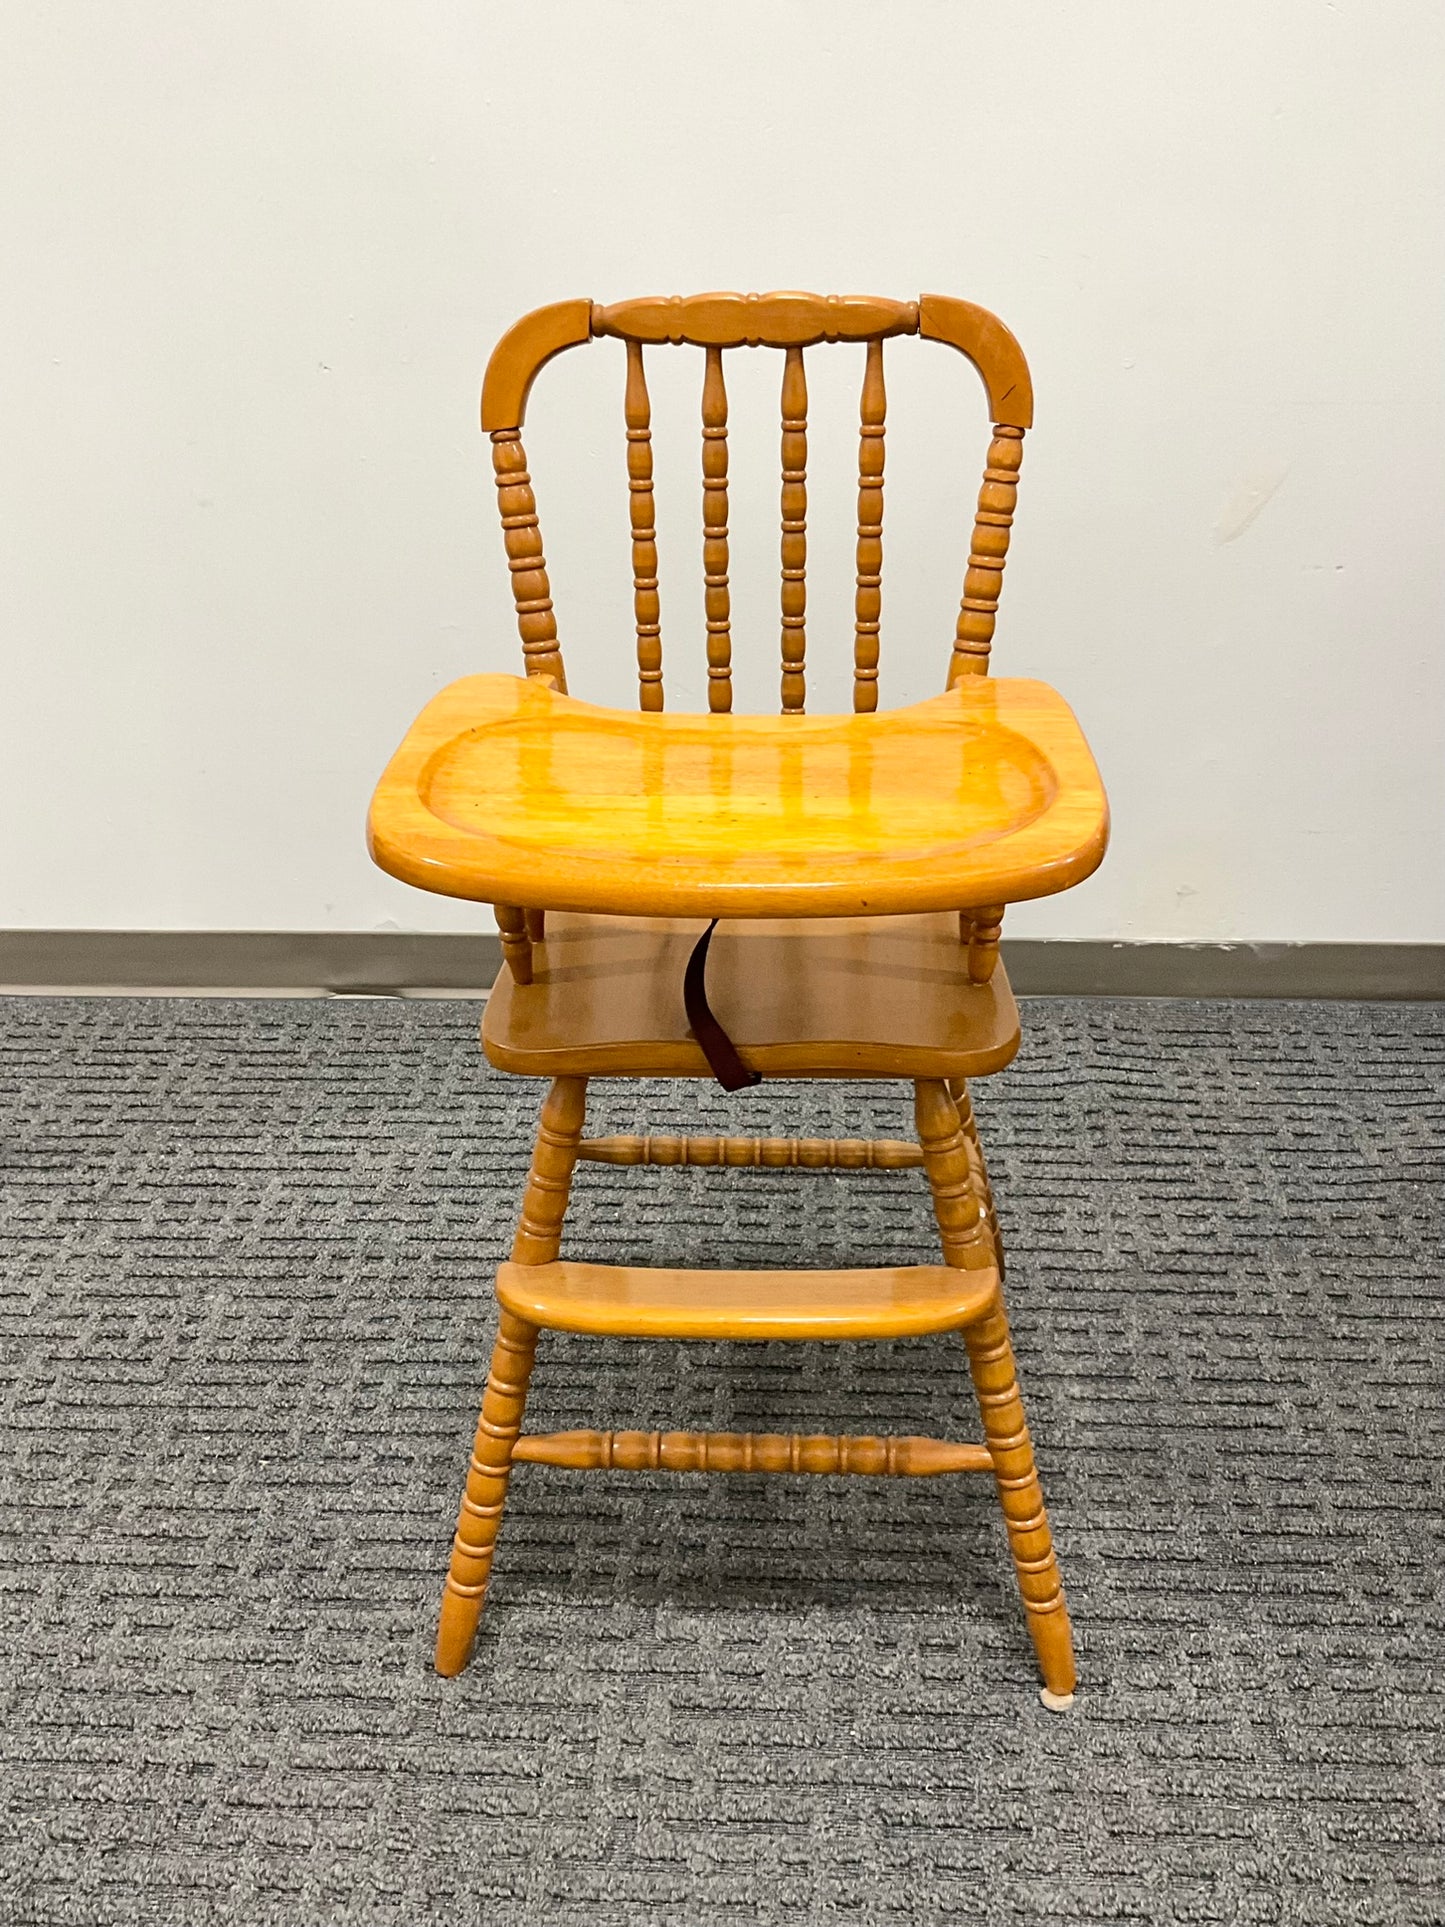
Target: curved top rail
<point>526,346</point>
<point>783,320</point>
<point>990,347</point>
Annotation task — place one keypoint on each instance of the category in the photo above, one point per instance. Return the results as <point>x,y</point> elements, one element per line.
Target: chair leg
<point>956,1202</point>
<point>968,1124</point>
<point>995,1380</point>
<point>965,1237</point>
<point>537,1241</point>
<point>480,1518</point>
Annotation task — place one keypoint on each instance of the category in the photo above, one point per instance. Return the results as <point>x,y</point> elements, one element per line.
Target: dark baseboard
<point>346,963</point>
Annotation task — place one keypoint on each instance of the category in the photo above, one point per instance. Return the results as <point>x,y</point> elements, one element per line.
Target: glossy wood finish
<point>988,551</point>
<point>538,1235</point>
<point>516,941</point>
<point>508,792</point>
<point>957,1204</point>
<point>865,997</point>
<point>978,1168</point>
<point>789,321</point>
<point>995,1379</point>
<point>526,347</point>
<point>531,589</point>
<point>637,1301</point>
<point>717,601</point>
<point>864,864</point>
<point>784,320</point>
<point>485,1496</point>
<point>868,593</point>
<point>794,547</point>
<point>761,1452</point>
<point>981,931</point>
<point>758,1153</point>
<point>647,606</point>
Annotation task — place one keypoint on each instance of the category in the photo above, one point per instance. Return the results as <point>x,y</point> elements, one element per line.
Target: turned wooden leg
<point>537,1241</point>
<point>956,1203</point>
<point>958,1091</point>
<point>991,1361</point>
<point>486,1493</point>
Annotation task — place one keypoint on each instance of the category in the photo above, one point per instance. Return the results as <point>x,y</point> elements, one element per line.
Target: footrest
<point>636,1301</point>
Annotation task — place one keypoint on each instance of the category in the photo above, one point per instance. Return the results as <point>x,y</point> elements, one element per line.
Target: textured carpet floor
<point>245,1313</point>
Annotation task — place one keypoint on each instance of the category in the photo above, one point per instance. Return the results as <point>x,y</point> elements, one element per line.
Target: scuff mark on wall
<point>1247,500</point>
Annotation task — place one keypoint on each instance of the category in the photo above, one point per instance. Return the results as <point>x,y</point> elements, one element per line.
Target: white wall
<point>254,257</point>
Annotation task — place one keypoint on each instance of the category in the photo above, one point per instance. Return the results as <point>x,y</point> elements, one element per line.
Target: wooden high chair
<point>862,862</point>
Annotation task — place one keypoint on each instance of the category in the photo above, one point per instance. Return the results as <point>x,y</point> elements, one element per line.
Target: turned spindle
<point>868,599</point>
<point>516,941</point>
<point>716,602</point>
<point>988,551</point>
<point>771,1153</point>
<point>647,609</point>
<point>815,1453</point>
<point>795,531</point>
<point>531,591</point>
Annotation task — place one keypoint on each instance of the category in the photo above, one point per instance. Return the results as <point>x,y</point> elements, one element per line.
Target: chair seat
<point>509,793</point>
<point>860,996</point>
<point>637,1301</point>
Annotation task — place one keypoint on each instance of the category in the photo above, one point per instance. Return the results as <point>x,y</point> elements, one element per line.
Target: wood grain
<point>522,351</point>
<point>716,600</point>
<point>507,792</point>
<point>983,581</point>
<point>865,997</point>
<point>988,344</point>
<point>516,941</point>
<point>637,1301</point>
<point>956,1204</point>
<point>868,594</point>
<point>977,1165</point>
<point>537,1239</point>
<point>485,1495</point>
<point>531,590</point>
<point>647,608</point>
<point>787,319</point>
<point>760,1452</point>
<point>839,848</point>
<point>767,1153</point>
<point>982,934</point>
<point>995,1379</point>
<point>549,1182</point>
<point>794,547</point>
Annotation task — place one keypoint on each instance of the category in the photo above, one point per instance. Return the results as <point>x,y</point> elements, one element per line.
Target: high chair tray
<point>507,792</point>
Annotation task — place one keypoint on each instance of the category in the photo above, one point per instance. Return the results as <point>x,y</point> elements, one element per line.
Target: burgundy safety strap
<point>717,1047</point>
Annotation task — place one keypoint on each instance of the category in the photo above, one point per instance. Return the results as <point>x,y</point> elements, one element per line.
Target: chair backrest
<point>791,322</point>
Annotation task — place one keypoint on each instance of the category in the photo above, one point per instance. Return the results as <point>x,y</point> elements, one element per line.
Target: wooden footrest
<point>637,1301</point>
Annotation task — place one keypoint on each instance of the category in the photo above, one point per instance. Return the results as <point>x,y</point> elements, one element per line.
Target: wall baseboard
<point>346,963</point>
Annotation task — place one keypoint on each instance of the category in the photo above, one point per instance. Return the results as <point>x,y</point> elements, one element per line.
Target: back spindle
<point>868,604</point>
<point>988,551</point>
<point>531,591</point>
<point>715,534</point>
<point>795,530</point>
<point>646,607</point>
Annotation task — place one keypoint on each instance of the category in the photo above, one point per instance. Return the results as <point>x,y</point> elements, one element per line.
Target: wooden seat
<point>861,865</point>
<point>858,997</point>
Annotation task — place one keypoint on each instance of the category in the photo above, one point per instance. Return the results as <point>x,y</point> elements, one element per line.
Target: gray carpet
<point>244,1316</point>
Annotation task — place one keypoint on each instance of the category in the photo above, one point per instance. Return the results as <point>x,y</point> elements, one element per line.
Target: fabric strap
<point>717,1047</point>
